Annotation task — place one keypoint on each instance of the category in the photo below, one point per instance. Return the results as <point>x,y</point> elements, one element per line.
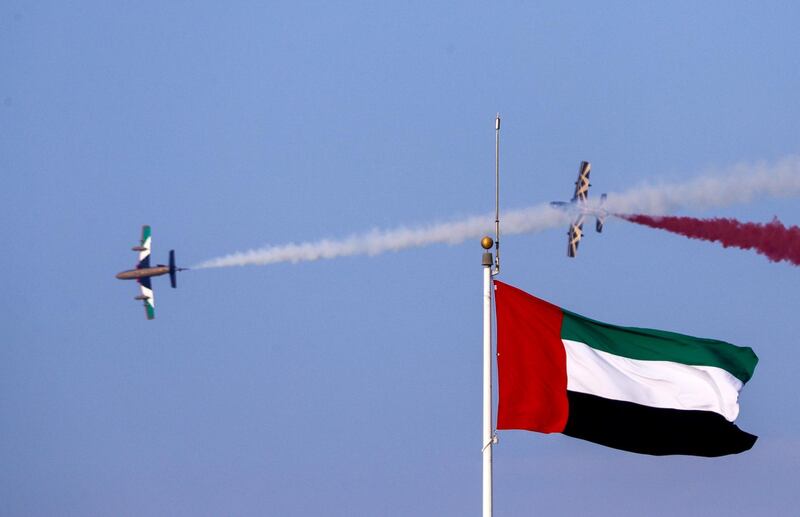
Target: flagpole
<point>487,377</point>
<point>491,267</point>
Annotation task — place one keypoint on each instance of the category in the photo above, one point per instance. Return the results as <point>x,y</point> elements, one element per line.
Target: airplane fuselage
<point>145,272</point>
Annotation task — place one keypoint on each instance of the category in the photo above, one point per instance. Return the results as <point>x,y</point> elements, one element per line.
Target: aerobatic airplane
<point>143,272</point>
<point>580,208</point>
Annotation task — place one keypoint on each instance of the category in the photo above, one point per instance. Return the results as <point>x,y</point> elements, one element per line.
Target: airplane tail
<point>173,279</point>
<point>172,269</point>
<point>601,215</point>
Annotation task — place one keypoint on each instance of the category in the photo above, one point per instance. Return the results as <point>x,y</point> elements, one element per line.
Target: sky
<point>352,386</point>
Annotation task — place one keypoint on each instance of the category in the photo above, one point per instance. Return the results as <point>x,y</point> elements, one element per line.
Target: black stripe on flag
<point>649,430</point>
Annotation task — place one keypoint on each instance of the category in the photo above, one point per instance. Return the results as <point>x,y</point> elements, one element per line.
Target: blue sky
<point>352,386</point>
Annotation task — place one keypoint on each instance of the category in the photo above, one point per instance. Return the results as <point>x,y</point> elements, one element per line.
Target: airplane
<point>580,207</point>
<point>143,272</point>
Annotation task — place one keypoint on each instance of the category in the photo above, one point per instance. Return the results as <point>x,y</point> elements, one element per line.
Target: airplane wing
<point>147,297</point>
<point>582,183</point>
<point>144,248</point>
<point>575,233</point>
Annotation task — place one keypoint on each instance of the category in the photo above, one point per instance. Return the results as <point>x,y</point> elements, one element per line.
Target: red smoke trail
<point>773,239</point>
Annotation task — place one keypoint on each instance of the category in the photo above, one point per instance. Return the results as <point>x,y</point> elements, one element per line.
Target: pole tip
<point>487,242</point>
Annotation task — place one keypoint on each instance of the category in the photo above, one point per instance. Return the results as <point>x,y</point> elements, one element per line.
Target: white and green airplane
<point>144,272</point>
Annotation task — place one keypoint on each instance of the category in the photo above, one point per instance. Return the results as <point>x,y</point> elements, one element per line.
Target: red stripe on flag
<point>531,363</point>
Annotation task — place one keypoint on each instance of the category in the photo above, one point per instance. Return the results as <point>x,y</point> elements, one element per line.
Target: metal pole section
<point>488,439</point>
<point>497,193</point>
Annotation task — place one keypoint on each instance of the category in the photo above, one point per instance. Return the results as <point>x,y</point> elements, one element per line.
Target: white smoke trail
<point>380,241</point>
<point>740,184</point>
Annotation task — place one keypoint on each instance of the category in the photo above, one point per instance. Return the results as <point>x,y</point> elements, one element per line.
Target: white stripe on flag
<point>662,384</point>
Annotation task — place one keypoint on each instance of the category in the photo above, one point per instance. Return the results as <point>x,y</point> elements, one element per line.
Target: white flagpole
<point>490,268</point>
<point>487,378</point>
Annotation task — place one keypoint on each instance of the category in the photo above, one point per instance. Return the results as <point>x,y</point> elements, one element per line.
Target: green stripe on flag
<point>659,345</point>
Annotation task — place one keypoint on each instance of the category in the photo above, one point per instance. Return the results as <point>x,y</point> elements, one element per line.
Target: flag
<point>639,390</point>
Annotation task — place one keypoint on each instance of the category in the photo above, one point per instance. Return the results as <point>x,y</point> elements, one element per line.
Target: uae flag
<point>639,390</point>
